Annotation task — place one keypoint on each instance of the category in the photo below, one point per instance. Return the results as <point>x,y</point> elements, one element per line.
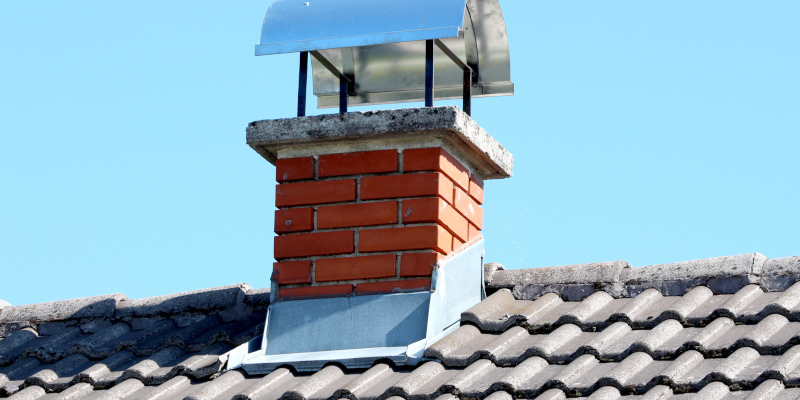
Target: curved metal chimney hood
<point>381,51</point>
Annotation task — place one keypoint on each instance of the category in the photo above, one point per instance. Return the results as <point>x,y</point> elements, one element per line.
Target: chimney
<point>372,216</point>
<point>378,224</point>
<point>379,246</point>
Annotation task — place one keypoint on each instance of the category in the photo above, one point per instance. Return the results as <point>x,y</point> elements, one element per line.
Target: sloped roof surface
<point>107,346</point>
<point>718,328</point>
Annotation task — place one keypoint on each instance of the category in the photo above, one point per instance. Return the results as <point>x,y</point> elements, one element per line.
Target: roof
<point>109,345</point>
<point>718,328</point>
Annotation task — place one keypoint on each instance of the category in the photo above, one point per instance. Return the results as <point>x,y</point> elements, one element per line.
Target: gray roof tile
<point>637,375</point>
<point>167,390</point>
<point>217,386</point>
<point>499,396</point>
<point>698,306</point>
<point>659,392</point>
<point>117,354</point>
<point>666,341</point>
<point>768,390</point>
<point>78,390</point>
<point>29,393</point>
<point>552,394</point>
<point>717,328</point>
<point>119,391</point>
<point>606,393</point>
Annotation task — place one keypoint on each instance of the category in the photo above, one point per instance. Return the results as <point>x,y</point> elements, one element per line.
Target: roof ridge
<point>117,306</point>
<point>724,275</point>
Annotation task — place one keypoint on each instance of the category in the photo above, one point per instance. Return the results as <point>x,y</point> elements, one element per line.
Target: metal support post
<point>429,73</point>
<point>343,94</point>
<point>345,83</point>
<point>469,75</point>
<point>468,92</point>
<point>301,85</point>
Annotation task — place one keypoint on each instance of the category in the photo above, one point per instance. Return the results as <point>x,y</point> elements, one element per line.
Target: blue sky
<point>650,132</point>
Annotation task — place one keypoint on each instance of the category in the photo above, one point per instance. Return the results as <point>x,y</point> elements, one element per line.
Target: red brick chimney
<point>375,220</point>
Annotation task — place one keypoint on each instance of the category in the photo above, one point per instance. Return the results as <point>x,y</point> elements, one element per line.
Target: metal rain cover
<point>381,44</point>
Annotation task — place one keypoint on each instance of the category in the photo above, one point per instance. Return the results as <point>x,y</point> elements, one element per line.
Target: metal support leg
<point>342,95</point>
<point>469,74</point>
<point>301,86</point>
<point>468,92</point>
<point>429,73</point>
<point>346,84</point>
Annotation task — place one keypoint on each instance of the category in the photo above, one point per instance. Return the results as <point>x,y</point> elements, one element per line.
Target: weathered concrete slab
<point>782,266</point>
<point>257,297</point>
<point>229,302</point>
<point>380,130</point>
<point>571,282</point>
<point>489,269</point>
<point>722,275</point>
<point>780,273</point>
<point>198,300</point>
<point>744,264</point>
<point>86,307</point>
<point>606,272</point>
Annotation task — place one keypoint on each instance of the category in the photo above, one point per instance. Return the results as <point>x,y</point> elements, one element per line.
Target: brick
<point>468,207</point>
<point>367,162</point>
<point>294,220</point>
<point>393,286</point>
<point>320,192</point>
<point>433,237</point>
<point>352,268</point>
<point>315,291</point>
<point>352,215</point>
<point>294,169</point>
<point>436,159</point>
<point>457,244</point>
<point>291,272</point>
<point>474,232</point>
<point>314,244</point>
<point>435,209</point>
<point>418,264</point>
<point>409,185</point>
<point>476,188</point>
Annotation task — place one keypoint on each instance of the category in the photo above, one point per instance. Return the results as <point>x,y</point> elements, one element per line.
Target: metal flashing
<point>304,326</point>
<point>357,331</point>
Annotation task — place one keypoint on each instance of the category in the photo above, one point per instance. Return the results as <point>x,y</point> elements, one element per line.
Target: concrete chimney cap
<point>380,130</point>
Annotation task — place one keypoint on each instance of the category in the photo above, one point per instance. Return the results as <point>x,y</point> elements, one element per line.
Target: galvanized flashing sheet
<point>459,286</point>
<point>357,331</point>
<point>303,326</point>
